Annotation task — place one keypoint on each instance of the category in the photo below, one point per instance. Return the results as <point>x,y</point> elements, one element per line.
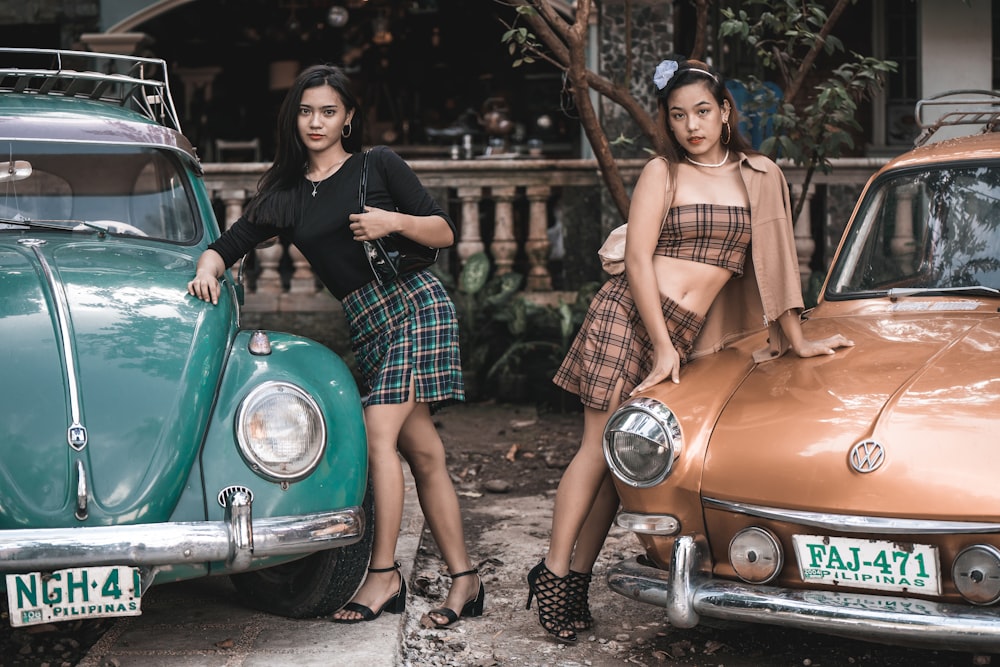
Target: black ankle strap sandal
<point>394,605</point>
<point>471,608</point>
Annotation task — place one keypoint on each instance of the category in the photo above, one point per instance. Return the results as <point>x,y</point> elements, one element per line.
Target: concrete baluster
<point>537,245</point>
<point>303,281</point>
<point>902,244</point>
<point>504,245</point>
<point>233,201</point>
<point>470,240</point>
<point>269,280</point>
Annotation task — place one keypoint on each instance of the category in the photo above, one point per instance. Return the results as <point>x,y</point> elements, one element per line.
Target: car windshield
<point>132,190</point>
<point>924,231</point>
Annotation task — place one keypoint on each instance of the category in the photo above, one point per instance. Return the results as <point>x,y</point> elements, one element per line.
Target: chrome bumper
<point>688,594</point>
<point>236,541</point>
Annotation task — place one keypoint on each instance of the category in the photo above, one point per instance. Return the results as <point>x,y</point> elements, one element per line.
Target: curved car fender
<point>340,478</point>
<point>706,384</point>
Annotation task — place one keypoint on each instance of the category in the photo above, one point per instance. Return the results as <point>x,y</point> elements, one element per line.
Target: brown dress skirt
<point>613,343</point>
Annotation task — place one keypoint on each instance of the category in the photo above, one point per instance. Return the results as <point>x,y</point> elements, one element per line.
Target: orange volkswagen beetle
<point>856,494</point>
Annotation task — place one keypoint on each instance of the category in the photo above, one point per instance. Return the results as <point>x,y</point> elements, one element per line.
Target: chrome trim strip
<point>76,434</point>
<point>849,523</point>
<point>234,542</point>
<point>880,618</point>
<point>81,491</point>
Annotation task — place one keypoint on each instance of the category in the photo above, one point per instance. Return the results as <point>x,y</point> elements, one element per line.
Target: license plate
<point>874,564</point>
<point>75,593</point>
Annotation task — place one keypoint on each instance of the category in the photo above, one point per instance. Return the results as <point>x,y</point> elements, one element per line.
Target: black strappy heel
<point>554,602</point>
<point>578,584</point>
<point>394,605</point>
<point>472,608</point>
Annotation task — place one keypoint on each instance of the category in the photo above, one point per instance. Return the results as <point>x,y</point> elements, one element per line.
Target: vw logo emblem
<point>867,456</point>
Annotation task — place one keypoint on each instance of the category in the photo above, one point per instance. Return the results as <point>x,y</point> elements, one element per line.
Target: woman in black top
<point>404,333</point>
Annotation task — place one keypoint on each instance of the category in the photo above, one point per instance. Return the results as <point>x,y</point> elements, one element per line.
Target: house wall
<point>956,49</point>
<point>956,45</point>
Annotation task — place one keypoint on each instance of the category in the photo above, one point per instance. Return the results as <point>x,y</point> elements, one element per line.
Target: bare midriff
<point>691,285</point>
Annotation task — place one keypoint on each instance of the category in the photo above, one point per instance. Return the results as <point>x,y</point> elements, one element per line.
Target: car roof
<point>975,147</point>
<point>25,116</point>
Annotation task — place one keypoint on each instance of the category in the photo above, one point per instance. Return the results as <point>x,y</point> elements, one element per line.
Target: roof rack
<point>131,82</point>
<point>969,107</point>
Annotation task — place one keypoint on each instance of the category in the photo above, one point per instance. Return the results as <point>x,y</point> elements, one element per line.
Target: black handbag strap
<point>363,187</point>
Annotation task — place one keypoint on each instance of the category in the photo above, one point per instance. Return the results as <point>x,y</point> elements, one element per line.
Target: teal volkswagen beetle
<point>145,438</point>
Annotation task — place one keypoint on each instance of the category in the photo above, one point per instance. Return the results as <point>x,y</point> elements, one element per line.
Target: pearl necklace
<point>725,159</point>
<point>333,169</point>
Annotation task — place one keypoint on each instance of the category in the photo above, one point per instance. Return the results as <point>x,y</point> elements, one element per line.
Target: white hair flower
<point>664,72</point>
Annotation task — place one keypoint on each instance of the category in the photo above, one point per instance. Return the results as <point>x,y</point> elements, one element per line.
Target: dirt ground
<point>506,462</point>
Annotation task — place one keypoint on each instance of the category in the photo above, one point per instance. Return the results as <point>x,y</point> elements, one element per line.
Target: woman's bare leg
<point>580,495</point>
<point>422,448</point>
<point>576,493</point>
<point>383,424</point>
<point>595,527</point>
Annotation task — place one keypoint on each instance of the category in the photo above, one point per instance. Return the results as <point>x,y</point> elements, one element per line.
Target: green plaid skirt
<point>613,343</point>
<point>403,328</point>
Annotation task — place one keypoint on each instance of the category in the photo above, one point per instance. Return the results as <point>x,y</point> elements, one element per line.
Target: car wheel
<point>312,586</point>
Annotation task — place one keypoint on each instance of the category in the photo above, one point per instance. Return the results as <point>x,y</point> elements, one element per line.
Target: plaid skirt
<point>613,343</point>
<point>401,329</point>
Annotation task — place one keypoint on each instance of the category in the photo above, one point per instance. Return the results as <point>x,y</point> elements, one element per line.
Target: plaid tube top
<point>707,233</point>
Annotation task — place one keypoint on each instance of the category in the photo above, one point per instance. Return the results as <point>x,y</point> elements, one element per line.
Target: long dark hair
<point>275,202</point>
<point>695,71</point>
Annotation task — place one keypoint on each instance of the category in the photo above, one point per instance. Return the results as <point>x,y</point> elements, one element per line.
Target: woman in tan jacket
<point>709,221</point>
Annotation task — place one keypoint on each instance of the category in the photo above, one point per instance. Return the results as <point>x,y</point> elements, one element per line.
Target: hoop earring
<point>346,131</point>
<point>729,134</point>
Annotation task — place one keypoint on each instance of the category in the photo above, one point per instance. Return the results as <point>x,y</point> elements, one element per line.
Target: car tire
<point>313,586</point>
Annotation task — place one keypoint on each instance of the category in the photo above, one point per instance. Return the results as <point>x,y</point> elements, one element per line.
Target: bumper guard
<point>236,541</point>
<point>687,594</point>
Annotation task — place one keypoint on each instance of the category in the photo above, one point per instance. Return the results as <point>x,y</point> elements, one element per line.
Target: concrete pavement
<point>201,624</point>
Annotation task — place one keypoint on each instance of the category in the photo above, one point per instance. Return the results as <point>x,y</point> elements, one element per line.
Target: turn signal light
<point>755,555</point>
<point>976,573</point>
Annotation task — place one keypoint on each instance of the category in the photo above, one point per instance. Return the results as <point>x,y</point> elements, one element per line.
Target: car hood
<point>142,358</point>
<point>926,389</point>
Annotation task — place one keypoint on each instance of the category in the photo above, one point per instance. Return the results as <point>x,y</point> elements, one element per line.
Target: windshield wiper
<point>53,224</point>
<point>969,290</point>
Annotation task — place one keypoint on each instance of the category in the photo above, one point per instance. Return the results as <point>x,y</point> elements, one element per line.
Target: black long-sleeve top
<point>322,232</point>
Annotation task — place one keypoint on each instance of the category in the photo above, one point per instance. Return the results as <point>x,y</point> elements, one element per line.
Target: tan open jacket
<point>770,284</point>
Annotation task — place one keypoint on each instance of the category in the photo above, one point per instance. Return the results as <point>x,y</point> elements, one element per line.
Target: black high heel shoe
<point>472,608</point>
<point>394,605</point>
<point>578,584</point>
<point>554,602</point>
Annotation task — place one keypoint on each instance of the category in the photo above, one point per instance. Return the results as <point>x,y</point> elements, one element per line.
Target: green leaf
<point>474,273</point>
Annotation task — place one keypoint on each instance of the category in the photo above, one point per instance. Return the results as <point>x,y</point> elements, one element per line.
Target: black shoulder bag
<point>393,255</point>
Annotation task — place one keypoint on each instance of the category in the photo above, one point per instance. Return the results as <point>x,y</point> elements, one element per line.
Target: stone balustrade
<point>506,207</point>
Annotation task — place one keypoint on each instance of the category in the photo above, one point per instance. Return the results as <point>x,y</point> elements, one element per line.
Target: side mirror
<point>18,170</point>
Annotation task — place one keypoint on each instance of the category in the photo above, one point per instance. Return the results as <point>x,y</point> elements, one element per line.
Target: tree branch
<point>800,75</point>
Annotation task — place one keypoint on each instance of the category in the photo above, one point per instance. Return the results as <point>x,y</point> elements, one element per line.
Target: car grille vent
<point>230,490</point>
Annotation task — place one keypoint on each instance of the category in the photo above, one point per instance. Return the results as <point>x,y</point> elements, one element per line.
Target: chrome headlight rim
<point>668,423</point>
<point>987,550</point>
<point>259,466</point>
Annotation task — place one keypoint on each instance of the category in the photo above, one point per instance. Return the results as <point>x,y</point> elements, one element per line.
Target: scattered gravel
<point>49,644</point>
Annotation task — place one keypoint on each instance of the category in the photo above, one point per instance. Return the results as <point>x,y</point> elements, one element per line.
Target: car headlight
<point>642,440</point>
<point>280,431</point>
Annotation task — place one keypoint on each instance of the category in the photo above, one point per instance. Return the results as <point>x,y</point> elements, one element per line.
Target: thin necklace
<point>705,164</point>
<point>316,184</point>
